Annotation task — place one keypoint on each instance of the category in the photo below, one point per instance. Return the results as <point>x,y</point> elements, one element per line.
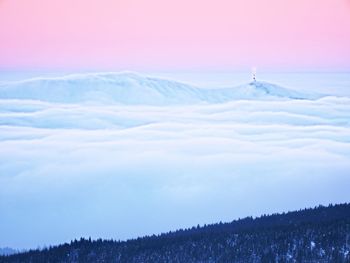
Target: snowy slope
<point>131,88</point>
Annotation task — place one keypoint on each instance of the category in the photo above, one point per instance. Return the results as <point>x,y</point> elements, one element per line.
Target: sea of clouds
<point>119,171</point>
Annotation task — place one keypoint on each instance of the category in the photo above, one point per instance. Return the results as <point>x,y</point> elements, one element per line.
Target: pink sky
<point>174,34</point>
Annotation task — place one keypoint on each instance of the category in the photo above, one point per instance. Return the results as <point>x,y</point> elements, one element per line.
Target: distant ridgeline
<point>321,234</point>
<point>134,89</point>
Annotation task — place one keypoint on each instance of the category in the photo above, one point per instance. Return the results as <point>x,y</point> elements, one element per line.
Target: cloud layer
<point>119,171</point>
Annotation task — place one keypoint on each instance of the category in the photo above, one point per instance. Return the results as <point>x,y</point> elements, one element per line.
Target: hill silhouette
<point>320,234</point>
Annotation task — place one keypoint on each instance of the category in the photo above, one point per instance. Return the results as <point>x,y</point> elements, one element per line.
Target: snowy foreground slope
<point>124,155</point>
<point>131,88</point>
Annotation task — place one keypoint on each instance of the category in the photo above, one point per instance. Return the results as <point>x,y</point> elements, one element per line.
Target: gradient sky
<point>182,34</point>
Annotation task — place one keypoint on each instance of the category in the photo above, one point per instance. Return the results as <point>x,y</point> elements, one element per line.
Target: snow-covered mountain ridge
<point>131,88</point>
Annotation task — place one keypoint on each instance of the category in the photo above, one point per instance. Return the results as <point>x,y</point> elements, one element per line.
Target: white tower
<point>254,74</point>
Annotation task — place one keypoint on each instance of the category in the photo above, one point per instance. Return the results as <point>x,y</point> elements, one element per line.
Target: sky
<point>120,171</point>
<point>174,35</point>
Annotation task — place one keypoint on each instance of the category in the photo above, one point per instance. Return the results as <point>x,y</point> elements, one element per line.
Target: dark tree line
<point>321,234</point>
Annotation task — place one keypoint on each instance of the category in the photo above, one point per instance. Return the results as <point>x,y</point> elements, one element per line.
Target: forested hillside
<point>321,234</point>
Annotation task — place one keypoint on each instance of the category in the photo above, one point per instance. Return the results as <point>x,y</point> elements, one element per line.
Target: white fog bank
<point>123,167</point>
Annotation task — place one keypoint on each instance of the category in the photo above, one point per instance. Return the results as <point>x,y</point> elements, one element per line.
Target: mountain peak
<point>132,88</point>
